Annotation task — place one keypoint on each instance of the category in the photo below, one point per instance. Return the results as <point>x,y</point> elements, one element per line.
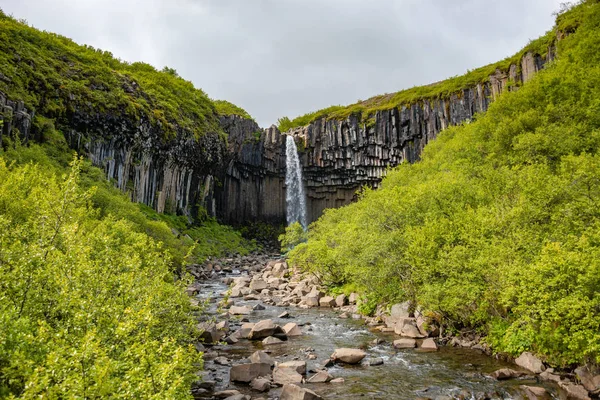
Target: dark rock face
<point>243,179</point>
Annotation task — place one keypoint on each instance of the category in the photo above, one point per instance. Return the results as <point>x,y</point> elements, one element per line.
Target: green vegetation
<point>294,235</point>
<point>224,107</point>
<point>566,23</point>
<point>497,229</point>
<point>55,76</point>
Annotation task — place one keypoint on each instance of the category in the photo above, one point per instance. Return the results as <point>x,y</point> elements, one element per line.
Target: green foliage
<point>56,76</point>
<point>293,236</point>
<point>497,229</point>
<point>88,304</point>
<point>224,107</point>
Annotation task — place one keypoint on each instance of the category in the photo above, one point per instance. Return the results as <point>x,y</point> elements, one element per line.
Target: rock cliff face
<point>242,179</point>
<point>341,156</point>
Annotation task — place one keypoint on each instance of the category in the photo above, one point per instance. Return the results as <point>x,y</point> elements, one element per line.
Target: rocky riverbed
<point>271,333</point>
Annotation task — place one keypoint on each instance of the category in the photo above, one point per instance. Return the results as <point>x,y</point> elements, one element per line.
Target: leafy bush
<point>497,228</point>
<point>293,236</point>
<point>88,305</point>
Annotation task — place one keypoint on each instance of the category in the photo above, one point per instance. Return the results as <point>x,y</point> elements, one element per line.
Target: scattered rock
<point>530,363</point>
<point>320,377</point>
<point>429,344</point>
<point>225,394</point>
<point>507,373</point>
<point>589,381</point>
<point>247,372</point>
<point>259,357</point>
<point>353,298</point>
<point>327,301</point>
<point>240,310</point>
<point>282,376</point>
<point>260,384</point>
<point>221,361</point>
<point>294,392</point>
<point>284,314</point>
<point>573,391</point>
<point>410,331</point>
<point>262,329</point>
<point>258,307</point>
<point>292,329</point>
<point>405,343</point>
<point>271,340</point>
<point>341,300</point>
<point>258,285</point>
<point>337,380</point>
<point>298,366</point>
<point>535,393</point>
<point>348,356</point>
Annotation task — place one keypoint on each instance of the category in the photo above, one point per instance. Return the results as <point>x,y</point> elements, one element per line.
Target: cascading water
<point>294,195</point>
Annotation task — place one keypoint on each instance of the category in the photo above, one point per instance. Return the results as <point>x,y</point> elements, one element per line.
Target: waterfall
<point>294,194</point>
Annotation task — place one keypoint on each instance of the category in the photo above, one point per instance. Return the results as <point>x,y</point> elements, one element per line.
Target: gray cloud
<point>289,57</point>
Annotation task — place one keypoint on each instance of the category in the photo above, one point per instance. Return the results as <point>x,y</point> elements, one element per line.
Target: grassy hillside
<point>497,229</point>
<point>443,89</point>
<point>55,75</point>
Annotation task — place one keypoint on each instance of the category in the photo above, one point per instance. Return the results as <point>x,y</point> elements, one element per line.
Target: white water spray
<point>294,195</point>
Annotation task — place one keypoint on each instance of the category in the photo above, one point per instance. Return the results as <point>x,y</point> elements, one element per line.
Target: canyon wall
<point>241,179</point>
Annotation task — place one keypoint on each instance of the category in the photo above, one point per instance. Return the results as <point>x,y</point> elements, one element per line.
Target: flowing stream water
<point>295,199</point>
<point>406,374</point>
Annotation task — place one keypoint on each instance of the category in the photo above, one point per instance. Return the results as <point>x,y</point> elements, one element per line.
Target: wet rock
<point>294,392</point>
<point>209,332</point>
<point>348,356</point>
<point>589,381</point>
<point>258,307</point>
<point>225,394</point>
<point>344,315</point>
<point>405,343</point>
<point>373,362</point>
<point>238,397</point>
<point>282,376</point>
<point>284,314</point>
<point>327,301</point>
<point>260,384</point>
<point>507,373</point>
<point>548,375</point>
<point>247,372</point>
<point>298,366</point>
<point>262,329</point>
<point>244,331</point>
<point>221,361</point>
<point>429,344</point>
<point>260,357</point>
<point>231,339</point>
<point>237,310</point>
<point>337,380</point>
<point>530,362</point>
<point>222,326</point>
<point>292,329</point>
<point>573,391</point>
<point>410,331</point>
<point>271,340</point>
<point>535,393</point>
<point>320,377</point>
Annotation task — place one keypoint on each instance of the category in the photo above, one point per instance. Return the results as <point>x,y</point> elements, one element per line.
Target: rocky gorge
<point>236,170</point>
<point>271,332</point>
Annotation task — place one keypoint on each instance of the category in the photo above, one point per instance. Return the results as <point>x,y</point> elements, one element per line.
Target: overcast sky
<point>287,57</point>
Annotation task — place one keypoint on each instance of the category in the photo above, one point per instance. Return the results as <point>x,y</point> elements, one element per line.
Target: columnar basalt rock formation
<point>242,179</point>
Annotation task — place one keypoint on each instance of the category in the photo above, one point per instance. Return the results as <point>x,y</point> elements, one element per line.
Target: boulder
<point>209,332</point>
<point>262,329</point>
<point>327,301</point>
<point>341,300</point>
<point>429,344</point>
<point>292,329</point>
<point>405,343</point>
<point>548,375</point>
<point>279,270</point>
<point>373,362</point>
<point>258,307</point>
<point>348,356</point>
<point>573,391</point>
<point>260,384</point>
<point>244,331</point>
<point>225,394</point>
<point>237,310</point>
<point>260,357</point>
<point>298,366</point>
<point>271,340</point>
<point>353,298</point>
<point>589,381</point>
<point>312,299</point>
<point>282,376</point>
<point>506,373</point>
<point>284,314</point>
<point>408,330</point>
<point>258,285</point>
<point>338,380</point>
<point>530,362</point>
<point>247,372</point>
<point>294,392</point>
<point>320,377</point>
<point>535,393</point>
<point>400,310</point>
